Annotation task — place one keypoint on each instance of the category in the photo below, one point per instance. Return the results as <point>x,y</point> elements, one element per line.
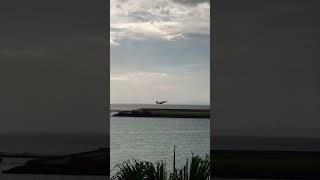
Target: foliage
<point>143,170</point>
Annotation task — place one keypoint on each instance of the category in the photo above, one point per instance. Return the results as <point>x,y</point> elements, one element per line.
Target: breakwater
<point>166,113</point>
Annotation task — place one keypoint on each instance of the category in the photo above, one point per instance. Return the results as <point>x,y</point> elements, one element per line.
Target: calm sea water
<point>153,139</point>
<point>47,144</point>
<point>149,139</point>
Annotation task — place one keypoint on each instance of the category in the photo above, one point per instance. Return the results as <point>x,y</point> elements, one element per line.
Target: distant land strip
<point>166,113</point>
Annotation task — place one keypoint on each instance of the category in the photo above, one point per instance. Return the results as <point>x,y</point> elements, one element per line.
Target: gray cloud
<point>267,73</point>
<point>192,2</point>
<point>52,65</point>
<point>164,20</point>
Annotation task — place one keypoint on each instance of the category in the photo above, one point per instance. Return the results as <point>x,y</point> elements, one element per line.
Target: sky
<point>160,50</point>
<point>52,66</point>
<point>267,75</point>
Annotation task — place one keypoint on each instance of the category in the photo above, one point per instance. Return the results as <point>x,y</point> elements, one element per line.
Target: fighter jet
<point>161,102</point>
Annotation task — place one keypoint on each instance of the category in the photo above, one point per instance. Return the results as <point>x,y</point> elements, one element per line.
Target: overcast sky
<point>160,51</point>
<point>52,65</point>
<point>267,67</point>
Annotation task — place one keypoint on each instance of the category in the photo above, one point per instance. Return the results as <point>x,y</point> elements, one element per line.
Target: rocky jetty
<point>166,113</point>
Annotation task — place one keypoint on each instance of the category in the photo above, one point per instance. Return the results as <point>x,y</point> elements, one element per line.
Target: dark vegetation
<point>197,169</point>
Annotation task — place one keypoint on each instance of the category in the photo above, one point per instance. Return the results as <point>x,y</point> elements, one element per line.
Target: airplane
<point>161,102</point>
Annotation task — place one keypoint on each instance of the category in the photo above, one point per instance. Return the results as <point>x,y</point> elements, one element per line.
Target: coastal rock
<point>166,113</point>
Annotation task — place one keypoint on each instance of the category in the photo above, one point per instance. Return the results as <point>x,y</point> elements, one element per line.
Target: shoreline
<point>165,113</point>
<point>265,164</point>
<point>225,164</point>
<point>93,163</point>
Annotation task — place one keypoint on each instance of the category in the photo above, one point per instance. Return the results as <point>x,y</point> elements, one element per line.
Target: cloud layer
<point>157,19</point>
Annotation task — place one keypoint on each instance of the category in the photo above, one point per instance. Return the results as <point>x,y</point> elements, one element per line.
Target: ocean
<point>150,139</point>
<point>42,143</point>
<point>153,139</point>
